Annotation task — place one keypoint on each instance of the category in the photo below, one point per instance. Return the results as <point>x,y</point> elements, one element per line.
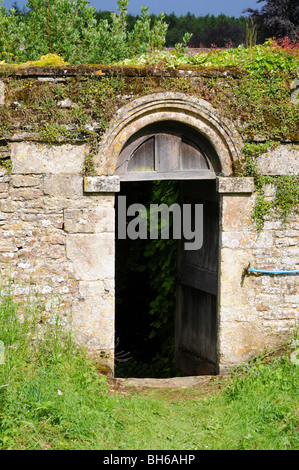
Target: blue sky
<point>179,7</point>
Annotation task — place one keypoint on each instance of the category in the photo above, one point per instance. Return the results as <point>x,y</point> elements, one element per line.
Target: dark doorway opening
<point>145,276</point>
<point>166,297</point>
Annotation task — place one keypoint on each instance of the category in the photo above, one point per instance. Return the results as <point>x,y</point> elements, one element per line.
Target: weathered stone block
<point>293,299</point>
<point>5,179</point>
<point>101,184</point>
<point>280,314</point>
<point>41,158</point>
<point>3,172</point>
<point>267,262</point>
<point>91,256</point>
<point>3,187</point>
<point>288,232</point>
<point>236,212</point>
<point>264,240</point>
<point>283,160</point>
<point>273,224</point>
<point>54,238</point>
<point>69,186</point>
<point>25,180</point>
<point>109,286</point>
<point>286,241</point>
<point>93,322</point>
<point>240,341</point>
<point>238,239</point>
<point>268,299</point>
<point>25,194</point>
<point>235,290</point>
<point>2,93</point>
<point>235,185</point>
<point>96,220</point>
<point>241,313</point>
<point>7,245</point>
<point>91,289</point>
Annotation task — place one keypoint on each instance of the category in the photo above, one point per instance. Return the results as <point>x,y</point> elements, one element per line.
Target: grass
<point>53,398</point>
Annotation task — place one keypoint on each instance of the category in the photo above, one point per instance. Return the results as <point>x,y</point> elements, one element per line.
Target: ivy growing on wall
<point>285,197</point>
<point>284,201</point>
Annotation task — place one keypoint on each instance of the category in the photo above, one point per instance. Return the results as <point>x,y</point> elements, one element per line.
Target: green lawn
<point>51,397</point>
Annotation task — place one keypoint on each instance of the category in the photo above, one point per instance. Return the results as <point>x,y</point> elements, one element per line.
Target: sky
<point>179,7</point>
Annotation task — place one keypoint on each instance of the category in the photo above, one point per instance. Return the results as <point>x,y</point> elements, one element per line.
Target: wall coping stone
<point>67,70</point>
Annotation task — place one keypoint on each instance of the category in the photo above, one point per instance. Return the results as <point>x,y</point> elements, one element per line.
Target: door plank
<point>199,278</point>
<point>143,159</point>
<point>168,150</point>
<point>191,156</point>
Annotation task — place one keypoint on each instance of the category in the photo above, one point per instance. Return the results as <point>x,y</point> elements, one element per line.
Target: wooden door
<point>166,154</point>
<point>197,289</point>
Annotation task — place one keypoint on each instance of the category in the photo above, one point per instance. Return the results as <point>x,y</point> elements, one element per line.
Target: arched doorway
<point>173,137</point>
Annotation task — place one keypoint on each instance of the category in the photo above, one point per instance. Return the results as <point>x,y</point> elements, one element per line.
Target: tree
<point>277,18</point>
<point>70,28</point>
<point>224,34</point>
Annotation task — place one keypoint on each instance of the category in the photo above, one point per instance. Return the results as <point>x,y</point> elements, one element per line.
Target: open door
<point>197,288</point>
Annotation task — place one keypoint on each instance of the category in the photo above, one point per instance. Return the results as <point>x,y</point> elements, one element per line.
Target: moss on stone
<point>53,101</point>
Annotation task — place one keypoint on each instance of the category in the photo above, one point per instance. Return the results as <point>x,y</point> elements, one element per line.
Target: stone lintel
<point>227,185</point>
<point>101,184</point>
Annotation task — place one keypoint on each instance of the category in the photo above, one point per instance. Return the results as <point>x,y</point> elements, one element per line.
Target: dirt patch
<point>176,388</point>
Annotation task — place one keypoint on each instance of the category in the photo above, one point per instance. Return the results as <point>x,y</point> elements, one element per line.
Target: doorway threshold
<point>172,382</point>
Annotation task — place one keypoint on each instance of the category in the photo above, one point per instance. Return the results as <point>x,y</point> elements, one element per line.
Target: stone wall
<point>258,310</point>
<point>57,236</point>
<point>58,241</point>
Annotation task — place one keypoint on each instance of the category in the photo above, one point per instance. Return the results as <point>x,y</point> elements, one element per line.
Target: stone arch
<point>196,113</point>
